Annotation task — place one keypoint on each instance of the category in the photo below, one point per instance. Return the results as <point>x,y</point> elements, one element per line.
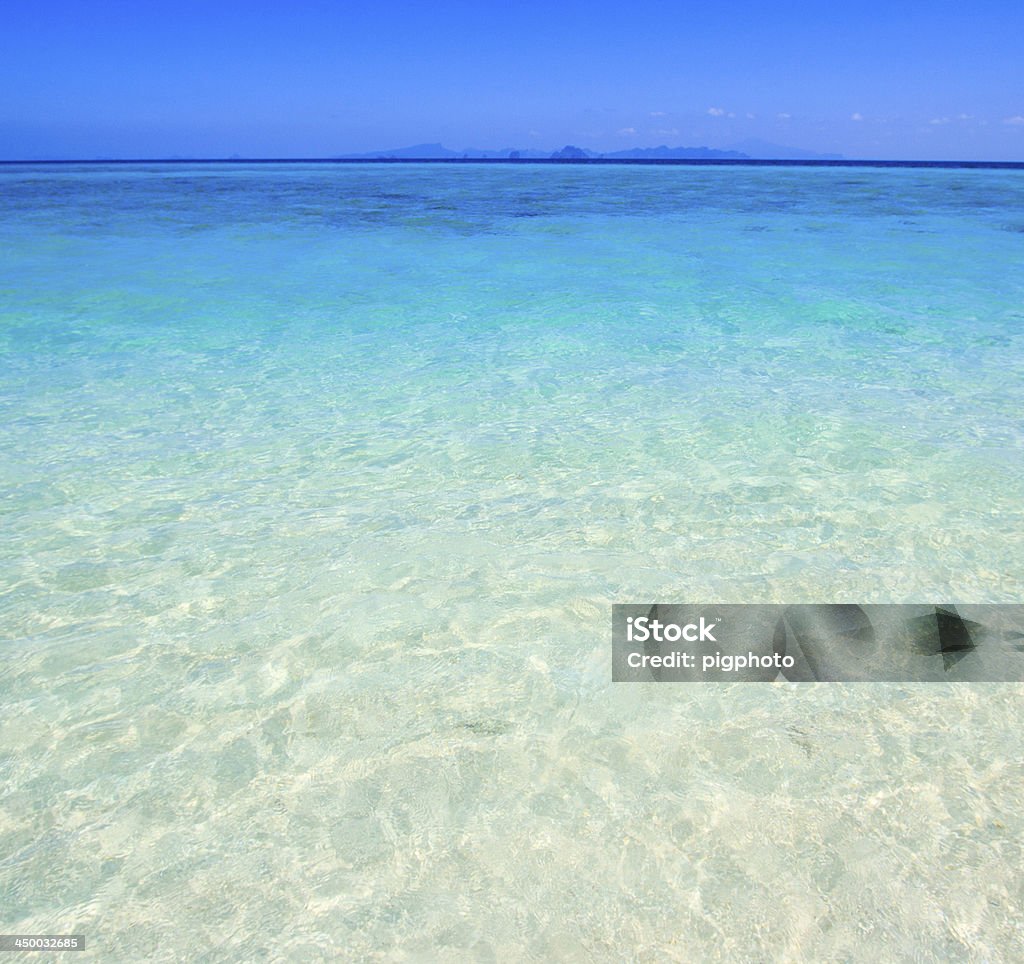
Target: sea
<point>319,481</point>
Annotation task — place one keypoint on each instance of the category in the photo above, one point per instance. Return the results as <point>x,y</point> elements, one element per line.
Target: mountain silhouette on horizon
<point>665,153</point>
<point>748,150</point>
<point>766,151</point>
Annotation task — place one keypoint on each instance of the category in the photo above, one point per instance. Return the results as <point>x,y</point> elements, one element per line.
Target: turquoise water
<point>319,483</point>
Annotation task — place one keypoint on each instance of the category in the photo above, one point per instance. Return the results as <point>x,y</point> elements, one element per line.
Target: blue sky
<point>145,78</point>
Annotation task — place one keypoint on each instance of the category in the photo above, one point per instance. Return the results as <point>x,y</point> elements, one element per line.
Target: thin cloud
<point>784,116</point>
<point>627,132</point>
<point>935,121</point>
<point>856,116</point>
<point>716,111</point>
<point>1016,121</point>
<point>659,113</point>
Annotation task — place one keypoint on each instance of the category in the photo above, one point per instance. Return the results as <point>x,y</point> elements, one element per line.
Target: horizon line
<point>644,161</point>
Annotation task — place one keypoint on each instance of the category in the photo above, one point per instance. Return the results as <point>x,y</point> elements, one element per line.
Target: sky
<point>901,79</point>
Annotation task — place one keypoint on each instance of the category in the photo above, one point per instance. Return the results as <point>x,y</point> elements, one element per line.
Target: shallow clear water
<point>318,484</point>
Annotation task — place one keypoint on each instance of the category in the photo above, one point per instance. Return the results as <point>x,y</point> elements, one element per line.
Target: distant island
<point>750,150</point>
